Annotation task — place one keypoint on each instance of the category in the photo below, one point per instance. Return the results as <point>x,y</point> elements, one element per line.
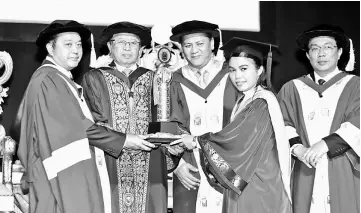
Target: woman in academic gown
<point>250,156</point>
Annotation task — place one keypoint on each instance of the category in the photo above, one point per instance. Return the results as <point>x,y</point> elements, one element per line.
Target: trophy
<point>162,84</point>
<point>163,77</point>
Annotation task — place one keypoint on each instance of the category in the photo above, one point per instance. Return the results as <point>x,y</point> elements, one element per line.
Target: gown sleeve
<point>348,134</point>
<point>232,155</point>
<point>96,96</point>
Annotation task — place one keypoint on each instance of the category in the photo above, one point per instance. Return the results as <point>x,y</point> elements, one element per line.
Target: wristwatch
<point>194,142</point>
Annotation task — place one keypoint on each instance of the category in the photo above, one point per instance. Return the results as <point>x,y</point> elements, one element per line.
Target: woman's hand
<point>186,141</point>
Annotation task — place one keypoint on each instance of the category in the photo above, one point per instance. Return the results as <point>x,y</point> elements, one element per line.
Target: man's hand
<point>136,142</point>
<point>315,152</point>
<point>185,176</point>
<point>299,152</point>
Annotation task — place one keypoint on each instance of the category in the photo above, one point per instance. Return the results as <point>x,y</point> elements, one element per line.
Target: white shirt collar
<point>67,73</point>
<point>122,68</point>
<point>208,66</point>
<point>327,77</point>
<point>213,67</point>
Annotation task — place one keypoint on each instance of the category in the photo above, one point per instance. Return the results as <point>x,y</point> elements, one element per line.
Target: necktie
<point>199,75</point>
<point>321,81</point>
<point>202,79</point>
<point>205,78</point>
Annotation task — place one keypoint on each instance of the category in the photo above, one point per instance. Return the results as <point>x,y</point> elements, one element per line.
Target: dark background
<point>281,23</point>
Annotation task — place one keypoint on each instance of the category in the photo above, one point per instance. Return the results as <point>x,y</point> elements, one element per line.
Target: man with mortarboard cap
<point>250,157</point>
<point>56,132</point>
<point>322,116</point>
<point>120,96</point>
<point>202,98</point>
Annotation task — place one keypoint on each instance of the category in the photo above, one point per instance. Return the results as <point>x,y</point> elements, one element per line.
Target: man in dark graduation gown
<point>202,98</point>
<point>322,117</point>
<point>55,130</point>
<point>120,96</point>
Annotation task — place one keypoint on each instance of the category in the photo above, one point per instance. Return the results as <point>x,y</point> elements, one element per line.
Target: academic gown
<point>56,146</point>
<point>244,158</point>
<point>138,179</point>
<point>186,200</point>
<point>296,98</point>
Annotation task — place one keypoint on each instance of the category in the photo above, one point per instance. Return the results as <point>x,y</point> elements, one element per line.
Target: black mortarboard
<point>190,27</point>
<point>126,27</point>
<point>258,49</point>
<point>61,26</point>
<point>336,32</point>
<point>322,30</point>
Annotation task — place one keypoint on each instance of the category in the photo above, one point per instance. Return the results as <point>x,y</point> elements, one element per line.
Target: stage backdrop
<point>144,12</point>
<point>279,23</point>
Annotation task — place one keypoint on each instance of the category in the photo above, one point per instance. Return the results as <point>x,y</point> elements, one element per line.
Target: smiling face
<point>125,48</point>
<point>323,54</point>
<point>197,49</point>
<point>66,49</point>
<point>244,73</point>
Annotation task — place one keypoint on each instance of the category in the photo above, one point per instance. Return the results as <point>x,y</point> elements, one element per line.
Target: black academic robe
<point>55,146</point>
<point>138,179</point>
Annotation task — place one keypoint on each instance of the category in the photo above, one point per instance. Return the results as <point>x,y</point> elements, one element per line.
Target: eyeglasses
<point>123,43</point>
<point>326,48</point>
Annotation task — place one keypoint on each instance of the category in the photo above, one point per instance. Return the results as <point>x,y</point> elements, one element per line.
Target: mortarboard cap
<point>61,26</point>
<point>126,27</point>
<point>256,48</point>
<point>195,26</point>
<point>337,33</point>
<point>236,46</point>
<point>322,30</point>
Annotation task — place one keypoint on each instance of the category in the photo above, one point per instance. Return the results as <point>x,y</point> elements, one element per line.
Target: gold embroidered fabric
<point>221,165</point>
<point>131,113</point>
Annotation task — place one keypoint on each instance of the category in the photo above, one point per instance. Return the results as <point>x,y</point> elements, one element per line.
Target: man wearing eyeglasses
<point>120,97</point>
<point>322,118</point>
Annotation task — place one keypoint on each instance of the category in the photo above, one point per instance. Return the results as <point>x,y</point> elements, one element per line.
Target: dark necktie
<point>321,81</point>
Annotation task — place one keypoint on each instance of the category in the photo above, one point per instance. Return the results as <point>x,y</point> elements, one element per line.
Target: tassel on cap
<point>153,45</point>
<point>242,47</point>
<point>220,55</point>
<point>269,70</point>
<point>93,56</point>
<point>351,61</point>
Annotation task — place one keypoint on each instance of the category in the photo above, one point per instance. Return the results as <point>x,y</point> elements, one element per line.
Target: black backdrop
<point>281,22</point>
